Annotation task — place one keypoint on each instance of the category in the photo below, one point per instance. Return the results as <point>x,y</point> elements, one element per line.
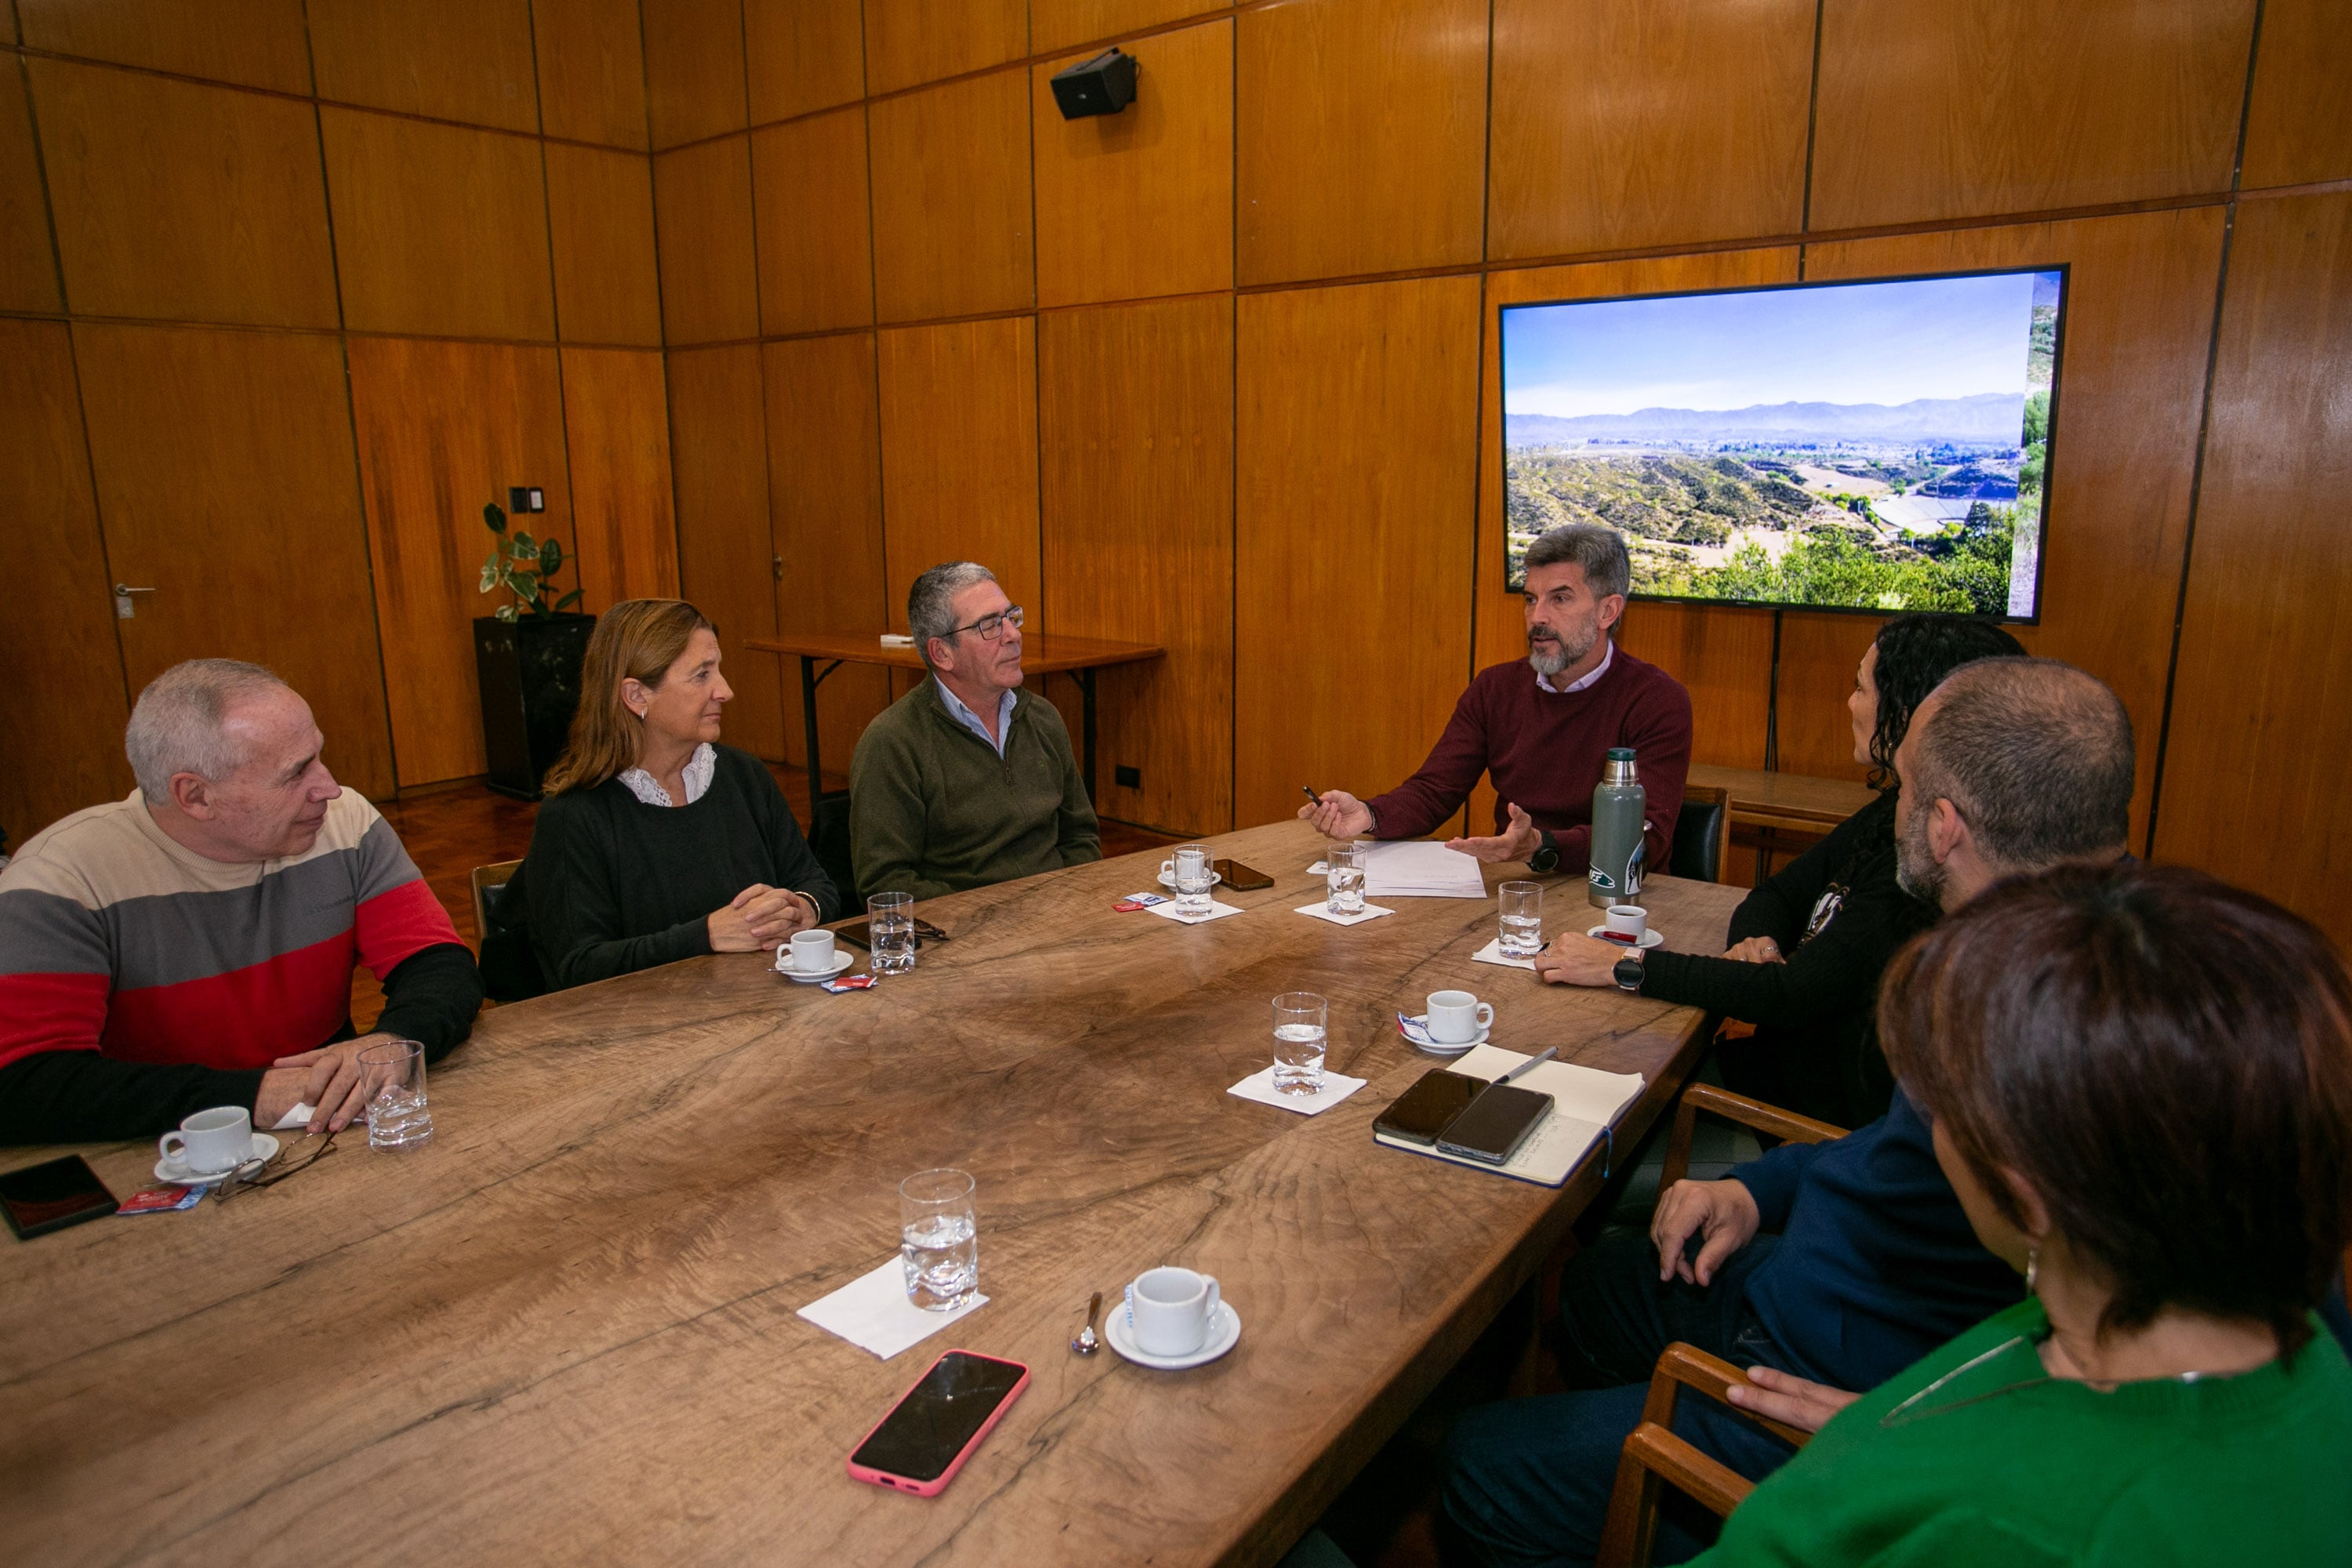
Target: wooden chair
<point>489,881</point>
<point>1770,1120</point>
<point>1702,835</point>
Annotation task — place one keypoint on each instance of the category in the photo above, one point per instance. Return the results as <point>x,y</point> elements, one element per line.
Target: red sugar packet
<point>161,1200</point>
<point>850,983</point>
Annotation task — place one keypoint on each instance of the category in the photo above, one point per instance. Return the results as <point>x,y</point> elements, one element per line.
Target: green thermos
<point>1616,874</point>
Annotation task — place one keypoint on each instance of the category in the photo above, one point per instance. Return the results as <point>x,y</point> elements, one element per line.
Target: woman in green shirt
<point>2141,1086</point>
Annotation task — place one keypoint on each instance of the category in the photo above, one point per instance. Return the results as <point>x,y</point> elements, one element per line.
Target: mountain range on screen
<point>1987,419</point>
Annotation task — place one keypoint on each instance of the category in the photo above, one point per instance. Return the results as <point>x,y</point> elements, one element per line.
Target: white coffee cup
<point>1457,1016</point>
<point>211,1141</point>
<point>1168,868</point>
<point>1626,921</point>
<point>809,953</point>
<point>1170,1309</point>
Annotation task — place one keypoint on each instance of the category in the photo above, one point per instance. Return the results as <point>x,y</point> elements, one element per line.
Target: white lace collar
<point>699,769</point>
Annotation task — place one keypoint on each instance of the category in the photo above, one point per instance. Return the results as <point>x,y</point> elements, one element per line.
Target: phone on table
<point>39,1199</point>
<point>1429,1107</point>
<point>859,936</point>
<point>1496,1124</point>
<point>931,1432</point>
<point>1241,878</point>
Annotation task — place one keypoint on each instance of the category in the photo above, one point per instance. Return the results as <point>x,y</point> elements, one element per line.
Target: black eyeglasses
<point>991,627</point>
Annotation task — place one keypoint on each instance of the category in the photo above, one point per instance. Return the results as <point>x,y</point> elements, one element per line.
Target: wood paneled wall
<point>296,289</point>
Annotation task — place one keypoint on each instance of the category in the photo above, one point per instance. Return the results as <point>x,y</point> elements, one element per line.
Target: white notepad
<point>1585,1102</point>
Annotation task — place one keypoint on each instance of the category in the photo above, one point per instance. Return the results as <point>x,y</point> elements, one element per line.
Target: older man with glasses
<point>968,779</point>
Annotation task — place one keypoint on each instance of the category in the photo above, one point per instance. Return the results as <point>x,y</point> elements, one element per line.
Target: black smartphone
<point>1241,878</point>
<point>1496,1124</point>
<point>858,936</point>
<point>928,1435</point>
<point>1429,1107</point>
<point>52,1196</point>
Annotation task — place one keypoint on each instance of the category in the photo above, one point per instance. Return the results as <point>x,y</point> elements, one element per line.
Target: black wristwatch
<point>1628,972</point>
<point>1546,859</point>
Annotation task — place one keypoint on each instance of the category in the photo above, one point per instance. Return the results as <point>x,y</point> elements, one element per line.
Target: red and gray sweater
<point>140,982</point>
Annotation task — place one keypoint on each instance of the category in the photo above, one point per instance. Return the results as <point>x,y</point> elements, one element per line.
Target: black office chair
<point>1702,835</point>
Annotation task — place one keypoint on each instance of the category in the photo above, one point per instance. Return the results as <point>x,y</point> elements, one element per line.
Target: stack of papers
<point>1421,868</point>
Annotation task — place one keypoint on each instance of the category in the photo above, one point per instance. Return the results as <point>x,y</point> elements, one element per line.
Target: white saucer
<point>1445,1048</point>
<point>1224,1332</point>
<point>265,1147</point>
<point>1169,881</point>
<point>841,961</point>
<point>1650,938</point>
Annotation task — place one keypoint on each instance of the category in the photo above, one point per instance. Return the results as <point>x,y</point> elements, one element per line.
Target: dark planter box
<point>529,673</point>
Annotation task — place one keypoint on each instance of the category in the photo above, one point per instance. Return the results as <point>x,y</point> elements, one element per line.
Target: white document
<point>873,1313</point>
<point>1421,868</point>
<point>1259,1086</point>
<point>1585,1102</point>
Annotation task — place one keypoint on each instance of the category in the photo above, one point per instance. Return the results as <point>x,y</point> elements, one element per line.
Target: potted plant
<point>527,656</point>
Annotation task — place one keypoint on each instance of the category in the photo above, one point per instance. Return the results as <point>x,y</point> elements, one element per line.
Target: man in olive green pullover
<point>967,780</point>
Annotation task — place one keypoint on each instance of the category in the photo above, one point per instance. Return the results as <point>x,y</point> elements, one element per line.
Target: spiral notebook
<point>1585,1104</point>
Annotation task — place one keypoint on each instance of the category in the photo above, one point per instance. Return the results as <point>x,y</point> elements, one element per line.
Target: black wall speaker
<point>1103,85</point>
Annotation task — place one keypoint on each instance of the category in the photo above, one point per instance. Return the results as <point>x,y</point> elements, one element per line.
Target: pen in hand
<point>1311,794</point>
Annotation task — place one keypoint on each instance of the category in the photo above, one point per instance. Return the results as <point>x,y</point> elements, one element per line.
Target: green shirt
<point>933,809</point>
<point>2007,1466</point>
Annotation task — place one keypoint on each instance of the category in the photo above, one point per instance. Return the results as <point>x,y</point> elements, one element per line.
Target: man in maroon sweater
<point>1540,726</point>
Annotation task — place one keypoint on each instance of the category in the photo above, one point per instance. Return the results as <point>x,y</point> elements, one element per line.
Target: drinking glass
<point>890,927</point>
<point>1194,875</point>
<point>1522,917</point>
<point>939,1239</point>
<point>1298,1036</point>
<point>394,1076</point>
<point>1343,878</point>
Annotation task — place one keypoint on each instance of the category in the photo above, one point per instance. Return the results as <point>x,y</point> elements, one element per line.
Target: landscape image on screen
<point>1854,446</point>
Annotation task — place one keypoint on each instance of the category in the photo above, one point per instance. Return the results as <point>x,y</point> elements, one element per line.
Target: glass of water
<point>1522,916</point>
<point>1299,1020</point>
<point>1343,878</point>
<point>398,1115</point>
<point>939,1239</point>
<point>1193,874</point>
<point>890,926</point>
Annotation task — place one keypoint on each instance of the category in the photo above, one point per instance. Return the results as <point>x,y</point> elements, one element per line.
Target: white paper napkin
<point>1321,868</point>
<point>1321,910</point>
<point>873,1313</point>
<point>1217,912</point>
<point>1493,953</point>
<point>1259,1086</point>
<point>298,1117</point>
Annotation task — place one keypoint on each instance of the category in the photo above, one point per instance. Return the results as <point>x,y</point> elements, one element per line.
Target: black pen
<point>1524,1068</point>
<point>1311,794</point>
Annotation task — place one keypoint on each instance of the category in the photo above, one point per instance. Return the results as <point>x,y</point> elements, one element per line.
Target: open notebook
<point>1585,1102</point>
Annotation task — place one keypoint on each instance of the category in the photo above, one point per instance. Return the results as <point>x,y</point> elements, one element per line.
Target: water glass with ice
<point>393,1077</point>
<point>1522,918</point>
<point>1299,1020</point>
<point>1343,878</point>
<point>1194,874</point>
<point>890,928</point>
<point>939,1239</point>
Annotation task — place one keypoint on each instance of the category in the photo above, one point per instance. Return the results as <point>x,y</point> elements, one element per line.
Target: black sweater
<point>614,885</point>
<point>1839,918</point>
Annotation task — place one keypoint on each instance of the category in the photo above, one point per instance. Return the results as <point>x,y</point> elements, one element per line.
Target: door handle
<point>123,606</point>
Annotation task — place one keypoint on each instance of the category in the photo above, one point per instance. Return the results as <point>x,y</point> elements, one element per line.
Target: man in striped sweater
<point>193,945</point>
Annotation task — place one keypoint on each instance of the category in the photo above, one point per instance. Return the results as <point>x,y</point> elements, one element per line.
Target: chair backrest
<point>489,881</point>
<point>1702,834</point>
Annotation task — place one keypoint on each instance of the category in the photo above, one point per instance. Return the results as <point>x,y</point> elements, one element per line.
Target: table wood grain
<point>565,1330</point>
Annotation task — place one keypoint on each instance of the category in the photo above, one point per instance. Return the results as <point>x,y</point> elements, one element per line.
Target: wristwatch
<point>1546,859</point>
<point>1628,972</point>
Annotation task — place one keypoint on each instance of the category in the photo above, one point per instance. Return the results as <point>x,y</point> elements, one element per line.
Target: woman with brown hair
<point>2140,1081</point>
<point>655,843</point>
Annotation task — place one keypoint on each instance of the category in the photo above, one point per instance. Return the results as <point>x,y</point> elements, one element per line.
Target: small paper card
<point>1493,953</point>
<point>873,1313</point>
<point>1321,868</point>
<point>161,1200</point>
<point>850,983</point>
<point>1134,901</point>
<point>1259,1086</point>
<point>1321,910</point>
<point>1216,913</point>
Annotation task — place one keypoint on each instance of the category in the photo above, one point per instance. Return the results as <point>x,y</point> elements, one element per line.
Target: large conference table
<point>566,1332</point>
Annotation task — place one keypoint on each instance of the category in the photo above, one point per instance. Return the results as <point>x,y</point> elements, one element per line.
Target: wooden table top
<point>1793,797</point>
<point>1042,653</point>
<point>565,1329</point>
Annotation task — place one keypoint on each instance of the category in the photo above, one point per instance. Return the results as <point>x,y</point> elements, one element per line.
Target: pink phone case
<point>933,1489</point>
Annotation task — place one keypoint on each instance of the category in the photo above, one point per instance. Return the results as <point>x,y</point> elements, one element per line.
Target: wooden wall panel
<point>451,59</point>
<point>1929,110</point>
<point>183,201</point>
<point>824,461</point>
<point>591,71</point>
<point>702,216</point>
<point>259,43</point>
<point>1353,507</point>
<point>1361,131</point>
<point>616,435</point>
<point>226,481</point>
<point>1620,127</point>
<point>2138,327</point>
<point>2293,137</point>
<point>444,428</point>
<point>803,55</point>
<point>952,200</point>
<point>913,41</point>
<point>960,454</point>
<point>816,259</point>
<point>1141,202</point>
<point>1136,421</point>
<point>61,730</point>
<point>1056,24</point>
<point>1819,655</point>
<point>28,266</point>
<point>693,69</point>
<point>718,450</point>
<point>600,216</point>
<point>438,228</point>
<point>2253,781</point>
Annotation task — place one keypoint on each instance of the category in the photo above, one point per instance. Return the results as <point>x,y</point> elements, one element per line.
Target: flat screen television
<point>1871,447</point>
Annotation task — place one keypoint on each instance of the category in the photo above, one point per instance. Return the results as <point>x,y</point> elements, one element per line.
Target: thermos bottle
<point>1616,874</point>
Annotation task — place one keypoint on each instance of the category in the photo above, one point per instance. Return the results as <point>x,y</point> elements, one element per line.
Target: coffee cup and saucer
<point>1627,925</point>
<point>1168,876</point>
<point>810,957</point>
<point>1173,1318</point>
<point>1455,1021</point>
<point>213,1146</point>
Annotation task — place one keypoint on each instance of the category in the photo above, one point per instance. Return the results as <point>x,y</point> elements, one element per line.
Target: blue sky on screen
<point>1859,342</point>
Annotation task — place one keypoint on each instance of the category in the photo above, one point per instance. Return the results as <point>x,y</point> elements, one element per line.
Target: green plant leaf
<point>494,518</point>
<point>526,587</point>
<point>505,612</point>
<point>489,576</point>
<point>525,547</point>
<point>568,600</point>
<point>551,558</point>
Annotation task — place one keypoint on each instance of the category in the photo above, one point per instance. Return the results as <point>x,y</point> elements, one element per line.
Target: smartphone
<point>1496,1124</point>
<point>1429,1107</point>
<point>52,1196</point>
<point>1241,878</point>
<point>858,936</point>
<point>929,1433</point>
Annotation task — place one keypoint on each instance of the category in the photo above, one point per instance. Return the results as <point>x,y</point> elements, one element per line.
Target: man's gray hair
<point>2036,754</point>
<point>1600,550</point>
<point>931,606</point>
<point>176,726</point>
